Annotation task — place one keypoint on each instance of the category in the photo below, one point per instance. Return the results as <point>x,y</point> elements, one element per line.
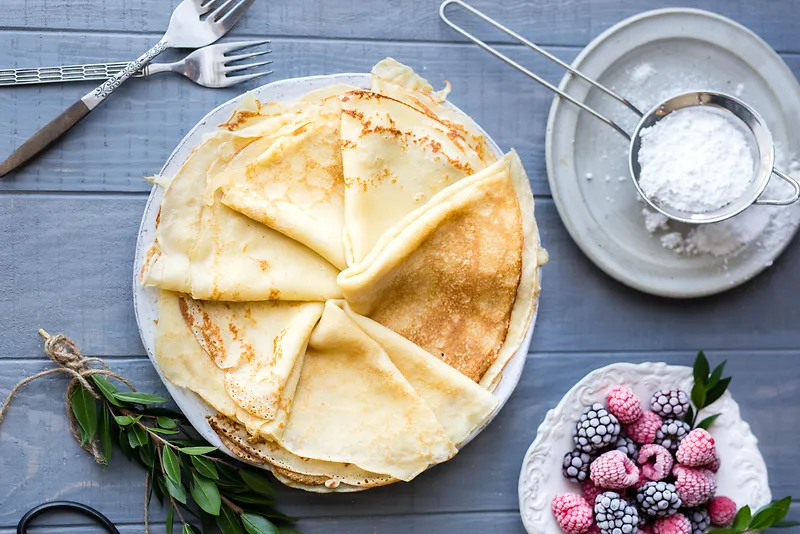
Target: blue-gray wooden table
<point>68,225</point>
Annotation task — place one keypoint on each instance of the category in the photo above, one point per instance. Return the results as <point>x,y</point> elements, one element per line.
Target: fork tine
<point>203,6</point>
<point>231,17</point>
<point>226,48</point>
<point>238,68</point>
<point>242,57</point>
<point>233,80</point>
<point>219,8</point>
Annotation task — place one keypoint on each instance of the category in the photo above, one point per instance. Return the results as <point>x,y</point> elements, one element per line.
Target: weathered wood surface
<point>68,224</point>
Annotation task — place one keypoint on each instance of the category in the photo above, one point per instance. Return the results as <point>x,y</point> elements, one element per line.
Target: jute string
<point>62,351</point>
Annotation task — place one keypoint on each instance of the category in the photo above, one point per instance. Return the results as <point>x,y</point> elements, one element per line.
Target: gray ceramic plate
<point>685,49</point>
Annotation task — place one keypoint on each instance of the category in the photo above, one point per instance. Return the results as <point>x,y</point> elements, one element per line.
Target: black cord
<point>22,527</point>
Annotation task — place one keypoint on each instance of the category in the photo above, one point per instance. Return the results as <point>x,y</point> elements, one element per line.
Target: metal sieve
<point>765,148</point>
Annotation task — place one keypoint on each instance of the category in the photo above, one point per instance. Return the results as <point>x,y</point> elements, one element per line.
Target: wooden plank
<point>136,130</point>
<point>574,22</point>
<point>41,462</point>
<point>68,267</point>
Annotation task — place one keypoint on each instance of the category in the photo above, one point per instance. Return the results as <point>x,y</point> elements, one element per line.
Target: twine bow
<point>62,351</point>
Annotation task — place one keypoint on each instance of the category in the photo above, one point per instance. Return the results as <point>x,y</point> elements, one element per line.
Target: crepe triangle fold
<point>447,277</point>
<point>394,158</point>
<point>215,253</point>
<point>291,179</point>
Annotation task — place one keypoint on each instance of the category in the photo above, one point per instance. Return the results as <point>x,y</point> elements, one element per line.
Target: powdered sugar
<point>695,160</point>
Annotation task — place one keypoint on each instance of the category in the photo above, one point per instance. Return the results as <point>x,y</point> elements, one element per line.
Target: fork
<point>194,24</point>
<point>210,66</point>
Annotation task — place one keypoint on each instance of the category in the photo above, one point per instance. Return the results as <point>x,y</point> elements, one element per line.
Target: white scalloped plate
<point>742,475</point>
<point>145,299</point>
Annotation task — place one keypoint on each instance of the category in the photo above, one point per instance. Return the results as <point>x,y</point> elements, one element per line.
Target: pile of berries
<point>641,471</point>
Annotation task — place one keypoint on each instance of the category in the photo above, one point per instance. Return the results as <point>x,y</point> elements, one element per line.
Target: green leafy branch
<point>769,516</point>
<point>195,481</point>
<point>708,388</point>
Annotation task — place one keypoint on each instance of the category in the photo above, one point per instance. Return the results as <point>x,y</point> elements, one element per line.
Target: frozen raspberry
<point>624,404</point>
<point>696,449</point>
<point>655,462</point>
<point>695,485</point>
<point>714,466</point>
<point>722,510</point>
<point>573,513</point>
<point>674,524</point>
<point>641,482</point>
<point>593,529</point>
<point>614,470</point>
<point>643,430</point>
<point>591,491</point>
<point>645,529</point>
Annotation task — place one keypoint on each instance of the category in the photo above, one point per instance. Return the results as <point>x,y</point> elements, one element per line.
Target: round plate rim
<point>189,402</point>
<point>585,244</point>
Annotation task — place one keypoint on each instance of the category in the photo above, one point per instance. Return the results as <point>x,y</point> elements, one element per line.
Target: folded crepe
<point>353,406</point>
<point>394,158</point>
<point>448,276</point>
<point>215,253</point>
<point>291,180</point>
<point>393,79</point>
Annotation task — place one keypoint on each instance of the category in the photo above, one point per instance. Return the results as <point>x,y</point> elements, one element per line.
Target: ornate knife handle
<point>76,112</point>
<point>101,93</point>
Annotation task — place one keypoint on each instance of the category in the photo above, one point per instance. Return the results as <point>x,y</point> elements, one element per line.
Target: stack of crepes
<point>343,279</point>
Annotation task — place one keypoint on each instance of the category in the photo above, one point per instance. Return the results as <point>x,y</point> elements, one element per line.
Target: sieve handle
<point>785,202</point>
<point>496,53</point>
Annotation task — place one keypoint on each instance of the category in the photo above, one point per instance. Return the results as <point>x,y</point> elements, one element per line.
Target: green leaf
<point>104,435</point>
<point>256,482</point>
<point>107,389</point>
<point>139,398</point>
<point>251,499</point>
<point>85,409</point>
<point>147,454</point>
<point>742,519</point>
<point>770,514</point>
<point>158,489</point>
<point>205,467</point>
<point>255,524</point>
<point>717,391</point>
<point>163,431</point>
<point>701,369</point>
<point>124,445</point>
<point>228,523</point>
<point>171,463</point>
<point>166,422</point>
<point>137,436</point>
<point>191,451</point>
<point>176,491</point>
<point>716,374</point>
<point>125,420</point>
<point>706,423</point>
<point>205,494</point>
<point>170,519</point>
<point>187,529</point>
<point>699,396</point>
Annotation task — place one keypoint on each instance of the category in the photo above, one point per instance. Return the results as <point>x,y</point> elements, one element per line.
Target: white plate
<point>742,475</point>
<point>145,299</point>
<point>605,217</point>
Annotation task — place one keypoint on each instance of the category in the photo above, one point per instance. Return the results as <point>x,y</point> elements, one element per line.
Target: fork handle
<point>77,111</point>
<point>66,73</point>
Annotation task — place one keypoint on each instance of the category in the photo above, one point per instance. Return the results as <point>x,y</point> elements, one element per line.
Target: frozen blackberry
<point>575,467</point>
<point>615,515</point>
<point>658,499</point>
<point>670,403</point>
<point>626,445</point>
<point>596,429</point>
<point>699,519</point>
<point>671,434</point>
